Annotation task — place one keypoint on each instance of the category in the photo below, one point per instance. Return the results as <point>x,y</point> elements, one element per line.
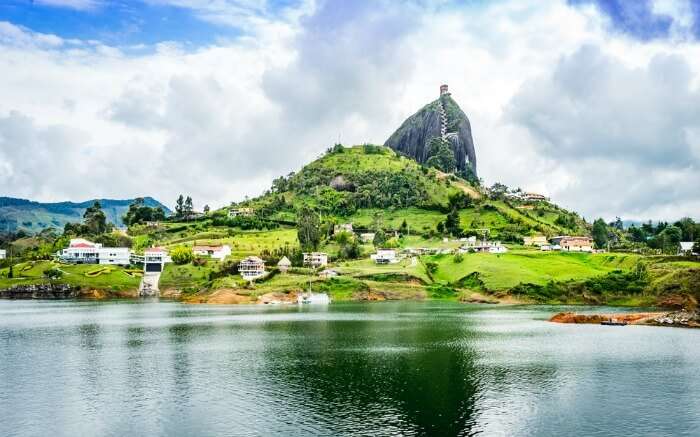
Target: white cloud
<point>547,88</point>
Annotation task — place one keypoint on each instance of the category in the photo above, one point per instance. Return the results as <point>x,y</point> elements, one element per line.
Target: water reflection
<point>372,369</point>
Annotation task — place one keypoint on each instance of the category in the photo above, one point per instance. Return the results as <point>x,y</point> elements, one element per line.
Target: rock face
<point>414,135</point>
<point>45,291</point>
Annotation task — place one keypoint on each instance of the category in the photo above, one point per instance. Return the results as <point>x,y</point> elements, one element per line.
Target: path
<point>149,285</point>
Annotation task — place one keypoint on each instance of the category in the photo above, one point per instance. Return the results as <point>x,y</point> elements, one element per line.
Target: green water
<point>84,369</point>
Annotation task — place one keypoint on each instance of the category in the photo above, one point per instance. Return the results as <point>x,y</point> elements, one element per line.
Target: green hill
<point>33,216</point>
<point>358,184</point>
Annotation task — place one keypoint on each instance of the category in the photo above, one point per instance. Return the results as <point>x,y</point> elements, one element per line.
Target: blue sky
<point>131,22</point>
<point>593,103</point>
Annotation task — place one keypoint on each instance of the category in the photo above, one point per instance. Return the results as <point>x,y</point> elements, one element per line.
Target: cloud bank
<point>603,122</point>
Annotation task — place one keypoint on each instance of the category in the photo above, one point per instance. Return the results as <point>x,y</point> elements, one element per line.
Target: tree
<point>441,156</point>
<point>600,233</point>
<point>404,228</point>
<point>188,207</point>
<point>671,238</point>
<point>380,238</point>
<point>687,226</point>
<point>498,190</point>
<point>179,206</point>
<point>95,219</point>
<point>308,229</point>
<point>181,255</point>
<point>206,209</point>
<point>696,246</point>
<point>452,224</point>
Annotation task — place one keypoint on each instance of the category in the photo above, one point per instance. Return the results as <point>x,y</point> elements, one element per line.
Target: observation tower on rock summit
<point>444,119</point>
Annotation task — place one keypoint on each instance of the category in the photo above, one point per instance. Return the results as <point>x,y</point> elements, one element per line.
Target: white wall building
<point>245,212</point>
<point>686,247</point>
<point>3,254</point>
<point>384,256</point>
<point>251,268</point>
<point>316,259</point>
<point>154,259</point>
<point>219,252</point>
<point>82,251</point>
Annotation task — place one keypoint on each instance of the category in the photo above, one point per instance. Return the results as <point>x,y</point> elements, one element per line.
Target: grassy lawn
<point>110,278</point>
<point>507,270</point>
<point>368,267</point>
<point>417,219</point>
<point>185,276</point>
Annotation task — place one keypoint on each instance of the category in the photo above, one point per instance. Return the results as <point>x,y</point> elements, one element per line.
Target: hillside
<point>370,184</point>
<point>33,216</point>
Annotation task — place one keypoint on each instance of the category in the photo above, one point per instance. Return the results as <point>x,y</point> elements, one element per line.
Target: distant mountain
<point>35,216</point>
<point>442,118</point>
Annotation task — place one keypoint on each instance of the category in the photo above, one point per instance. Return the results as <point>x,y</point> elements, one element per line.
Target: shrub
<point>53,273</point>
<point>458,258</point>
<point>181,255</point>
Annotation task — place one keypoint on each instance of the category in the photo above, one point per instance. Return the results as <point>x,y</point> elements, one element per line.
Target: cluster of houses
<point>563,242</point>
<point>82,251</point>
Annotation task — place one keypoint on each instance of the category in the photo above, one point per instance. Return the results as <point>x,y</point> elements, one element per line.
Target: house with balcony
<point>251,268</point>
<point>82,251</point>
<point>316,259</point>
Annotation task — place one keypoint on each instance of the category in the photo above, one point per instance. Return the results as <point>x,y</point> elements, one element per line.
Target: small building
<point>245,212</point>
<point>367,237</point>
<point>546,247</point>
<point>686,248</point>
<point>219,252</point>
<point>533,197</point>
<point>3,254</point>
<point>82,251</point>
<point>576,244</point>
<point>251,268</point>
<point>537,240</point>
<point>316,259</point>
<point>344,227</point>
<point>284,264</point>
<point>328,273</point>
<point>154,259</point>
<point>484,246</point>
<point>384,256</point>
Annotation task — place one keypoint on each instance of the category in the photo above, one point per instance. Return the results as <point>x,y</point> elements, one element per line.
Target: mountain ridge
<point>33,216</point>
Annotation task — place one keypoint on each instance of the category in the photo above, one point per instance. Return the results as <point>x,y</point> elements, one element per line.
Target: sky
<point>593,103</point>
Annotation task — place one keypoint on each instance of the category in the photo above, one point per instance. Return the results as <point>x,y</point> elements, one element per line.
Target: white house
<point>3,254</point>
<point>251,268</point>
<point>537,240</point>
<point>154,259</point>
<point>82,251</point>
<point>316,259</point>
<point>245,212</point>
<point>484,246</point>
<point>686,247</point>
<point>328,273</point>
<point>219,252</point>
<point>384,256</point>
<point>367,237</point>
<point>533,197</point>
<point>576,244</point>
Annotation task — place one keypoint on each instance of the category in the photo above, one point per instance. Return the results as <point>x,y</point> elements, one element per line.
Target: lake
<point>401,368</point>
